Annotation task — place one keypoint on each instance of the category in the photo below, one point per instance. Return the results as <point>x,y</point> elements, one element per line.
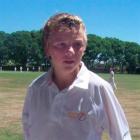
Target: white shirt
<point>81,112</point>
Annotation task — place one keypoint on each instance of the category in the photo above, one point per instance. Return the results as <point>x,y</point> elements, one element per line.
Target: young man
<point>69,102</point>
<point>112,80</point>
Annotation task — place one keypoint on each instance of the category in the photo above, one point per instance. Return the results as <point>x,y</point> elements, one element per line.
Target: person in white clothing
<point>112,79</point>
<point>69,102</point>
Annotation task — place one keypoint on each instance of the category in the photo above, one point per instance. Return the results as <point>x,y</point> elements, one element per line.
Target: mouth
<point>69,61</point>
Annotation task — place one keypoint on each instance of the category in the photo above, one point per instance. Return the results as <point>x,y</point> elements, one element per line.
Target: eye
<point>60,45</point>
<point>78,44</point>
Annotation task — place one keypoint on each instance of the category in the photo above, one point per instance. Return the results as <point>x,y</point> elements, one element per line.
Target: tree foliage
<point>25,48</point>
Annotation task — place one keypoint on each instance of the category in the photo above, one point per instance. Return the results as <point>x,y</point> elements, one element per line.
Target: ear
<point>83,54</point>
<point>84,49</point>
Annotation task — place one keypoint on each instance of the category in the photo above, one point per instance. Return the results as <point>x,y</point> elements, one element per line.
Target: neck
<point>64,80</point>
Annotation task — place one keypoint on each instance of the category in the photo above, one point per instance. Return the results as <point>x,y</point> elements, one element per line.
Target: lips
<point>68,61</point>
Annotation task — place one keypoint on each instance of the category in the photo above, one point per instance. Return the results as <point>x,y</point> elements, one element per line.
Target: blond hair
<point>59,20</point>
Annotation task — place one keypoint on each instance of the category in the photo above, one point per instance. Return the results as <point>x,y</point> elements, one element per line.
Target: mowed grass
<point>13,87</point>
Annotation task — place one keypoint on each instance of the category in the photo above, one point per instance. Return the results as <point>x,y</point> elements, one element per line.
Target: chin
<point>71,67</point>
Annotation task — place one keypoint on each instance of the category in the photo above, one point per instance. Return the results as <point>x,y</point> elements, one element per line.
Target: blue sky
<point>106,18</point>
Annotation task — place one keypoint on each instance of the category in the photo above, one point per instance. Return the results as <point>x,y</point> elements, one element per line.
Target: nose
<point>69,51</point>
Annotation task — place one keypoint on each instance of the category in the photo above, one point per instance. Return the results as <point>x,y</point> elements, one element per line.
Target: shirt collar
<point>81,80</point>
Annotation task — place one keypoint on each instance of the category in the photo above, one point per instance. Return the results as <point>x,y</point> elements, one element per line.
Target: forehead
<point>64,33</point>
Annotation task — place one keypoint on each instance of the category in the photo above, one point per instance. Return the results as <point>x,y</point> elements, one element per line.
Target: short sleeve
<point>115,120</point>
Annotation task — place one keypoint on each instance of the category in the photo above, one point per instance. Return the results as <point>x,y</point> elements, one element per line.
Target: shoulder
<point>37,82</point>
<point>97,80</point>
<point>99,89</point>
<point>98,84</point>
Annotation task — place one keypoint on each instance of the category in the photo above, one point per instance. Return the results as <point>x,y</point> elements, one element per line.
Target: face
<point>66,48</point>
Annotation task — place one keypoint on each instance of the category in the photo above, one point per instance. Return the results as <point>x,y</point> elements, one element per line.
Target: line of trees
<point>24,48</point>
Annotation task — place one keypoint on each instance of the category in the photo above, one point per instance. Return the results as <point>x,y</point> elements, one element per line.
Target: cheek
<point>56,54</point>
<point>82,51</point>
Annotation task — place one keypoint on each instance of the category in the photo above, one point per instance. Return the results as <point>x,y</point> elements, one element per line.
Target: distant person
<point>112,80</point>
<point>27,69</point>
<point>39,68</point>
<point>21,68</point>
<point>70,102</point>
<point>15,68</point>
<point>33,68</point>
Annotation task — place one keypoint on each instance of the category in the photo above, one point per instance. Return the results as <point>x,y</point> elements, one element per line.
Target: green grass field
<point>13,87</point>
